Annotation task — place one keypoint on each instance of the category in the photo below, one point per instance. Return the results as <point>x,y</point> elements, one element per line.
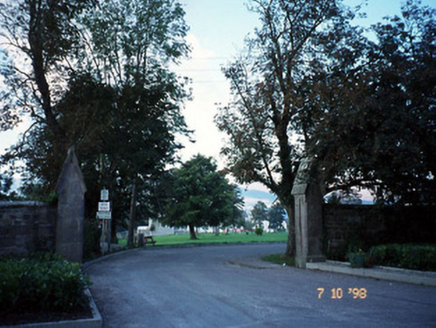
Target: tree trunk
<point>192,232</point>
<point>290,247</point>
<point>132,213</point>
<point>217,231</point>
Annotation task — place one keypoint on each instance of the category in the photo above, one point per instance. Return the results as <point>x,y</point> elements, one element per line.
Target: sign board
<point>104,206</point>
<point>104,194</point>
<point>104,215</point>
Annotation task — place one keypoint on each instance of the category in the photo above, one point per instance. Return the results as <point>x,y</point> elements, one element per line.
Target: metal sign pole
<point>105,215</point>
<point>109,234</point>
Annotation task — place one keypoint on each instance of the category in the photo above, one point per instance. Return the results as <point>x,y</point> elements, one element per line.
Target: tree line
<point>310,83</point>
<point>275,215</point>
<point>94,75</point>
<point>358,102</point>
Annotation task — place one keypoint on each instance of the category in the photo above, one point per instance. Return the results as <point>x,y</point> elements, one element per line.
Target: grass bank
<point>208,238</point>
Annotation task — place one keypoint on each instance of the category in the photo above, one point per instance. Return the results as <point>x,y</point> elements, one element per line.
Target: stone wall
<point>26,227</point>
<point>364,226</point>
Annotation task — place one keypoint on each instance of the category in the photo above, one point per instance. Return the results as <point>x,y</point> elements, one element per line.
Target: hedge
<point>407,256</point>
<point>44,282</point>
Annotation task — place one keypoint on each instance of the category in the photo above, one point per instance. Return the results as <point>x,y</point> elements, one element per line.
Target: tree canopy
<point>199,196</point>
<point>268,82</point>
<point>103,85</point>
<point>312,84</point>
<point>379,129</point>
<point>276,217</point>
<point>259,213</point>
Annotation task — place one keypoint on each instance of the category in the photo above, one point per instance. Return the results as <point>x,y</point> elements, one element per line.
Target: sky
<point>217,32</point>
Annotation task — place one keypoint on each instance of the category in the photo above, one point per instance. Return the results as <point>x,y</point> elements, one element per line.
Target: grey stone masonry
<point>308,217</point>
<point>71,210</point>
<point>26,227</point>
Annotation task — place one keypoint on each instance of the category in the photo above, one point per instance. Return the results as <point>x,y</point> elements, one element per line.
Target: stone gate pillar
<point>308,201</point>
<point>71,210</point>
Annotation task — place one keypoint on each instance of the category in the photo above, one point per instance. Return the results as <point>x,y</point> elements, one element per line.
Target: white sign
<point>104,194</point>
<point>104,206</point>
<point>104,215</point>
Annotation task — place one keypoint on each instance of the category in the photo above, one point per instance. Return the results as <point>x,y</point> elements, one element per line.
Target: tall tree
<point>268,84</point>
<point>132,43</point>
<point>379,132</point>
<point>259,213</point>
<point>110,90</point>
<point>276,217</point>
<point>199,196</point>
<point>38,37</point>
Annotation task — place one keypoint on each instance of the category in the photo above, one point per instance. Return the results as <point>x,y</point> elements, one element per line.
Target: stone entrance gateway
<point>71,210</point>
<point>308,217</point>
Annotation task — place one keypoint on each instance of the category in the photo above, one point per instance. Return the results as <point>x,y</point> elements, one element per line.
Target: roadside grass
<point>279,259</point>
<point>209,238</point>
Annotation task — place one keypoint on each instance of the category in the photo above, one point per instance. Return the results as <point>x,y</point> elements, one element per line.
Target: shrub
<point>408,256</point>
<point>44,282</point>
<point>92,234</point>
<point>357,259</point>
<point>258,231</point>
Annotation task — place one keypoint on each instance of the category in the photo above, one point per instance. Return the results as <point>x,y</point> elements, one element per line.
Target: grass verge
<point>207,238</point>
<point>279,259</point>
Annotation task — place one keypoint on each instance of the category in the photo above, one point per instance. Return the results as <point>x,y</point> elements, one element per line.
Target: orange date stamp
<point>338,293</point>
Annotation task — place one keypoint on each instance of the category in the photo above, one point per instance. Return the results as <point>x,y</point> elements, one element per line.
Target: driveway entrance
<point>205,287</point>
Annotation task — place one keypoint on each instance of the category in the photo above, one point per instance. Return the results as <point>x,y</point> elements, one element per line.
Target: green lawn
<point>279,259</point>
<point>207,238</point>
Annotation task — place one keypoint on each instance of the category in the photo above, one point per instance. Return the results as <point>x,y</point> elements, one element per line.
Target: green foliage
<point>374,125</point>
<point>258,231</point>
<point>117,101</point>
<point>199,195</point>
<point>276,216</point>
<point>271,83</point>
<point>45,33</point>
<point>259,213</point>
<point>92,235</point>
<point>356,257</point>
<point>237,217</point>
<point>407,256</point>
<point>44,282</point>
<point>210,238</point>
<point>279,259</point>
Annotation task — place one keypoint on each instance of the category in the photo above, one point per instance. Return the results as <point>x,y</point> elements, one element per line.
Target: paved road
<point>198,287</point>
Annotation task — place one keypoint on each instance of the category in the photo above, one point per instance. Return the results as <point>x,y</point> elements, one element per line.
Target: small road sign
<point>104,206</point>
<point>104,194</point>
<point>104,215</point>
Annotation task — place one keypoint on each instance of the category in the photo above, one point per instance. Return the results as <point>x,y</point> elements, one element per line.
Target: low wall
<point>365,226</point>
<point>26,227</point>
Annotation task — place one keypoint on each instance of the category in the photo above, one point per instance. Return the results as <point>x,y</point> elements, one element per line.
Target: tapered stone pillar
<point>71,210</point>
<point>308,217</point>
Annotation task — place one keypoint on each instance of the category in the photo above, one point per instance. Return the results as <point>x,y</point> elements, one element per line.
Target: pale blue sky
<point>218,30</point>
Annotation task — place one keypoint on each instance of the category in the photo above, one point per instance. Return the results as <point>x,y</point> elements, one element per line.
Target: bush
<point>408,256</point>
<point>357,259</point>
<point>92,235</point>
<point>44,282</point>
<point>258,231</point>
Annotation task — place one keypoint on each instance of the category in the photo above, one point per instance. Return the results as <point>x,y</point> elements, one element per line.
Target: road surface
<point>205,287</point>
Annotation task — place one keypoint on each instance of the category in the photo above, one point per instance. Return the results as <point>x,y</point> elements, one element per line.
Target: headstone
<point>71,210</point>
<point>308,216</point>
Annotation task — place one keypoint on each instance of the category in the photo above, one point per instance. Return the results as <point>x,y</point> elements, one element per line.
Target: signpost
<point>104,213</point>
<point>104,206</point>
<point>104,195</point>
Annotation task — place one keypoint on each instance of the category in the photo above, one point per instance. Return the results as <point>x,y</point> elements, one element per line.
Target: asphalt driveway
<point>205,287</point>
